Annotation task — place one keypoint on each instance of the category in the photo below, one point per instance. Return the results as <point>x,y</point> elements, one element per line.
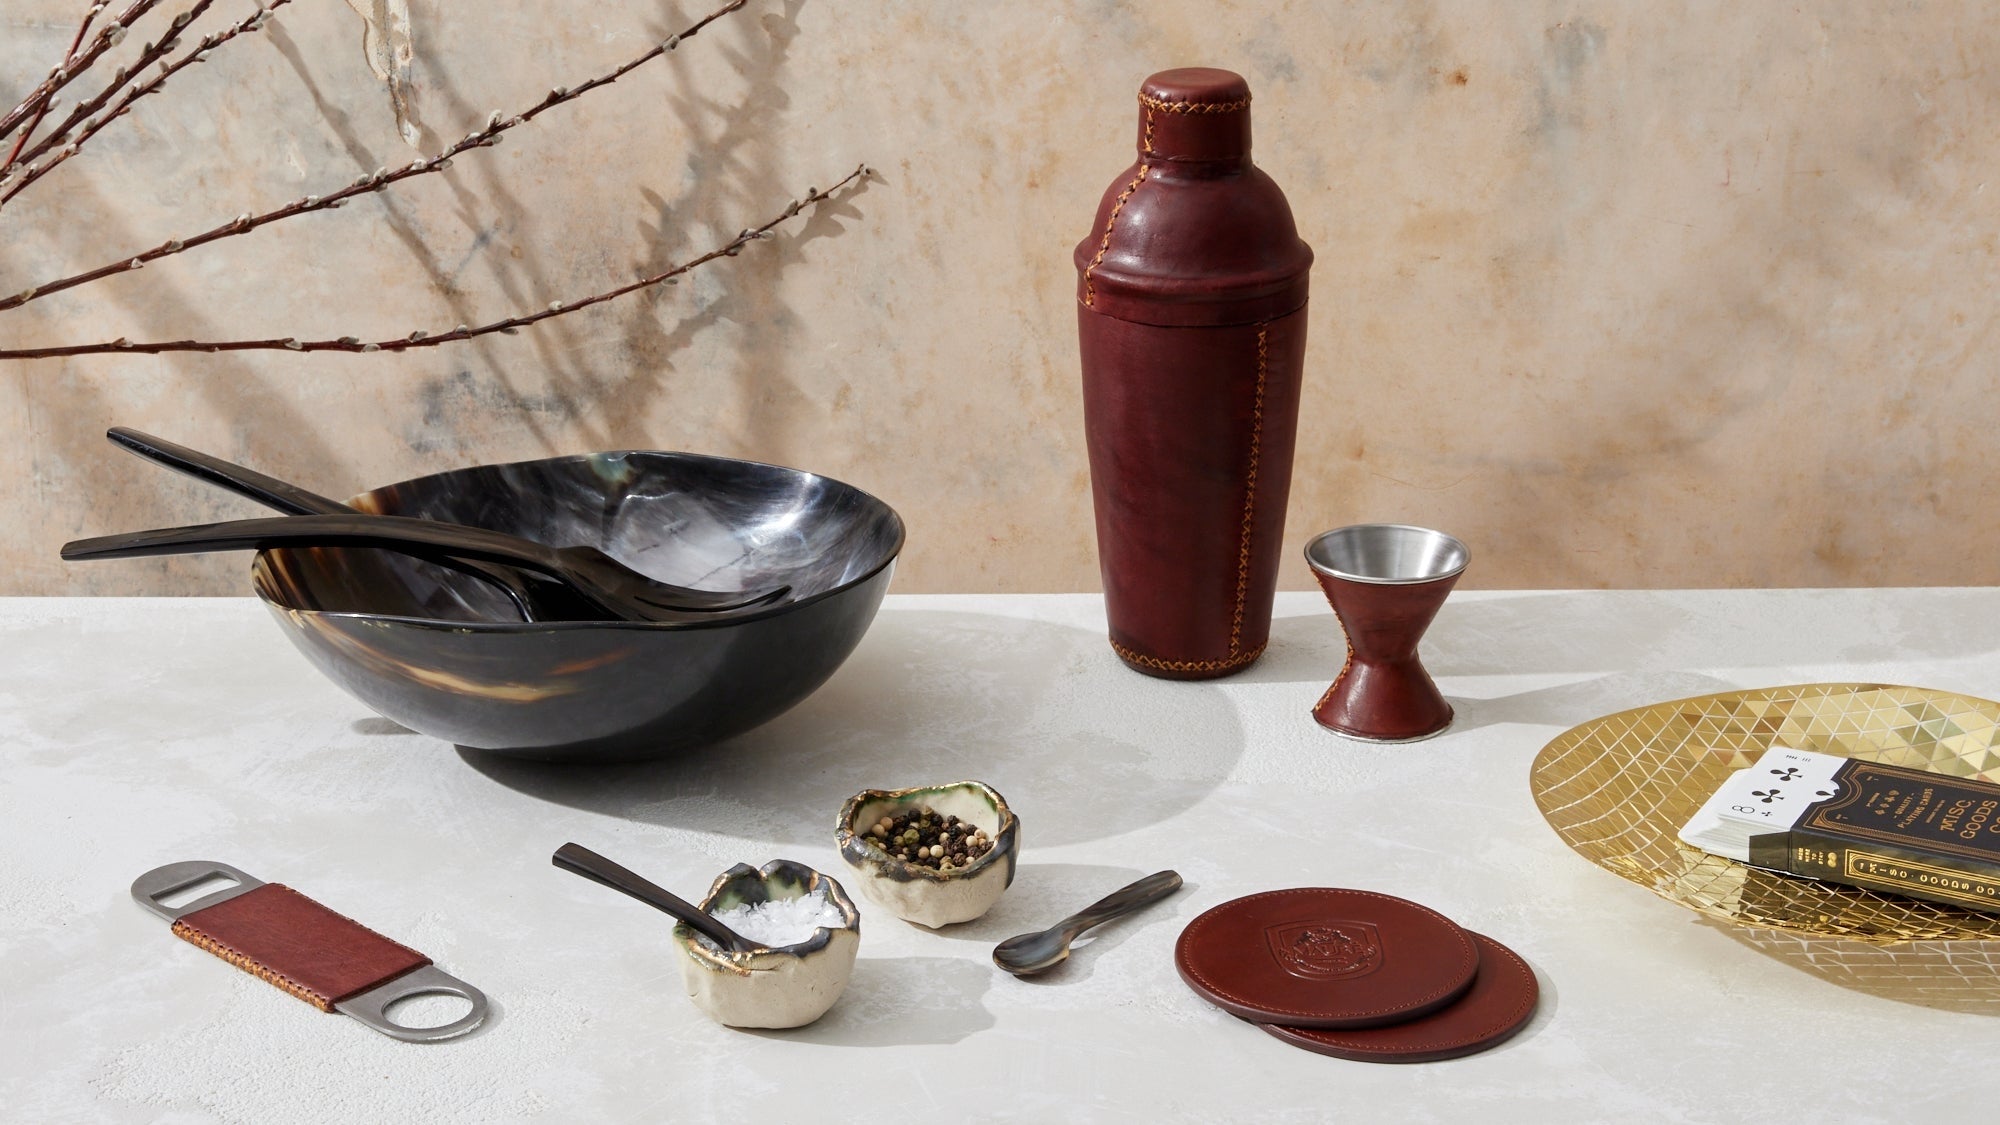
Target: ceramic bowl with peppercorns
<point>933,855</point>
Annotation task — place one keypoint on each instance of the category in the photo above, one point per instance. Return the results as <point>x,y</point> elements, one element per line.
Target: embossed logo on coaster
<point>1326,949</point>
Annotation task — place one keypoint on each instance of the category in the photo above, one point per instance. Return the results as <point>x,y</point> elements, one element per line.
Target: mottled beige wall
<point>1624,294</point>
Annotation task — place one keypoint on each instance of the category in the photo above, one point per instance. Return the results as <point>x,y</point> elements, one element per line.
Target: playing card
<point>1770,796</point>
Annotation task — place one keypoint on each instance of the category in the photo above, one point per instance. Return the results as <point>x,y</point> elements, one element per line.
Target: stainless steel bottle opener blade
<point>332,962</point>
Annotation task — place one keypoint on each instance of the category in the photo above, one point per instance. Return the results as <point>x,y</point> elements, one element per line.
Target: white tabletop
<point>138,732</point>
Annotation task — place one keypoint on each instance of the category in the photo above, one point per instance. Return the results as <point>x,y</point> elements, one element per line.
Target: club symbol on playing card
<point>1788,773</point>
<point>1768,795</point>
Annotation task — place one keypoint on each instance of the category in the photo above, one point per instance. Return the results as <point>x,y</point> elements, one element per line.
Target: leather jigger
<point>1385,583</point>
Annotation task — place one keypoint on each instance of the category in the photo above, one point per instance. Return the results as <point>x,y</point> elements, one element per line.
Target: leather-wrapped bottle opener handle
<point>279,935</point>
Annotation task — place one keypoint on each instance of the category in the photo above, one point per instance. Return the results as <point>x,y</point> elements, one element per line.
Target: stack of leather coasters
<point>1357,975</point>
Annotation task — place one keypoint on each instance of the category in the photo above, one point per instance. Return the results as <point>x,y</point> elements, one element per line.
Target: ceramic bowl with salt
<point>924,895</point>
<point>808,932</point>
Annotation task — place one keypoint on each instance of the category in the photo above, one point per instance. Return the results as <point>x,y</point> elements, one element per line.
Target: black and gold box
<point>1884,828</point>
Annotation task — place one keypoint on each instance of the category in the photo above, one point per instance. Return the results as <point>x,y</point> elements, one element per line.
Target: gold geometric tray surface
<point>1617,789</point>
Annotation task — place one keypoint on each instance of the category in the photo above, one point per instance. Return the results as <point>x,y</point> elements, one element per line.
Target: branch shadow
<point>262,429</point>
<point>266,431</point>
<point>731,177</point>
<point>445,396</point>
<point>732,173</point>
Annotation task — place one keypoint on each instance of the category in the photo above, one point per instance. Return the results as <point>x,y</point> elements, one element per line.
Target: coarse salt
<point>780,922</point>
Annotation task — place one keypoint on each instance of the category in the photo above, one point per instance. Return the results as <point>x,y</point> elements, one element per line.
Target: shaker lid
<point>1193,233</point>
<point>1202,86</point>
<point>1323,957</point>
<point>1195,113</point>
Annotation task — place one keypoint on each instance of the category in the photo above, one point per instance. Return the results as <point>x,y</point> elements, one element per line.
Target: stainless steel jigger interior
<point>1392,554</point>
<point>1385,582</point>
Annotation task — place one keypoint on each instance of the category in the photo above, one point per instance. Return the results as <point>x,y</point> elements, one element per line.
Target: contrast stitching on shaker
<point>1104,244</point>
<point>1194,107</point>
<point>1187,665</point>
<point>249,964</point>
<point>1250,492</point>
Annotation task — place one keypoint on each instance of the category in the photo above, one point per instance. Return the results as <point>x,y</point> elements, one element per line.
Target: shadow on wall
<point>565,398</point>
<point>733,177</point>
<point>731,182</point>
<point>105,485</point>
<point>486,207</point>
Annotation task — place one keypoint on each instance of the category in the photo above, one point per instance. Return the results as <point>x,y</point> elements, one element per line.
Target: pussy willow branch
<point>421,339</point>
<point>82,29</point>
<point>486,137</point>
<point>107,37</point>
<point>152,54</point>
<point>89,17</point>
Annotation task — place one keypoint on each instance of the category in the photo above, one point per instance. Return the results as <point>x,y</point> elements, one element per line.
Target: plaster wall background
<point>1622,294</point>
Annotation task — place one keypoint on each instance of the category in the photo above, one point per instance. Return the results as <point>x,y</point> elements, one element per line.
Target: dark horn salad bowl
<point>447,655</point>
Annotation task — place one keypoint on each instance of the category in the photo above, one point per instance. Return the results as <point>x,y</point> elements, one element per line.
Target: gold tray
<point>1617,789</point>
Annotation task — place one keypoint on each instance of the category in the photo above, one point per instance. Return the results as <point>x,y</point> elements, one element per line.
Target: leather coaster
<point>1499,1003</point>
<point>1323,957</point>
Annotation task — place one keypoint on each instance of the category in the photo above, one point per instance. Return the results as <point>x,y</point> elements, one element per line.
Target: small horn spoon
<point>579,860</point>
<point>1028,954</point>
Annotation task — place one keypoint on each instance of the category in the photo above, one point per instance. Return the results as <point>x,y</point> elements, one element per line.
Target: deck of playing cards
<point>1885,828</point>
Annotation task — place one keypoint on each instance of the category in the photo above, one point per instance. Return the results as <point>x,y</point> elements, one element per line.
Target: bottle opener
<point>280,936</point>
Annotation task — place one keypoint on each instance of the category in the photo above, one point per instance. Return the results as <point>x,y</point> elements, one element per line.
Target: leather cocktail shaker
<point>1191,294</point>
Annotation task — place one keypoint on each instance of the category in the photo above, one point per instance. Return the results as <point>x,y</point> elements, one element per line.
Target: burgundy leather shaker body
<point>1191,294</point>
